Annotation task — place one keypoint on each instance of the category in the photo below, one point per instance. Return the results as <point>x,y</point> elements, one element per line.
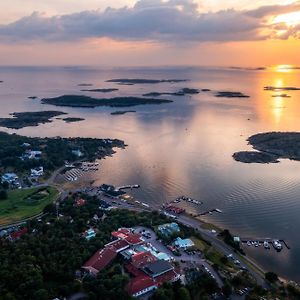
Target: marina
<point>277,244</point>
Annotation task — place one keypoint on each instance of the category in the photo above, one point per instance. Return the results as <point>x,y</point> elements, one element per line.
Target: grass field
<point>25,203</point>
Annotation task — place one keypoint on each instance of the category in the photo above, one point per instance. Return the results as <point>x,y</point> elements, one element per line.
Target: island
<point>72,119</point>
<point>100,90</point>
<point>25,119</point>
<point>144,81</point>
<point>231,95</point>
<point>122,112</point>
<point>276,88</point>
<point>182,92</point>
<point>89,102</point>
<point>85,84</point>
<point>32,97</point>
<point>281,96</point>
<point>270,147</point>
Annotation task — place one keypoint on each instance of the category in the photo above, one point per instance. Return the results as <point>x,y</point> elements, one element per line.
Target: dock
<point>186,199</point>
<point>260,242</point>
<point>209,212</point>
<point>125,187</point>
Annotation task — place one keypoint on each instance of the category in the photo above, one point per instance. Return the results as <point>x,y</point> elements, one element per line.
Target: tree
<point>184,294</point>
<point>3,195</point>
<point>227,290</point>
<point>271,276</point>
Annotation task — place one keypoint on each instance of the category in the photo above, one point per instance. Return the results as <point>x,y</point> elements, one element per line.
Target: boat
<point>249,243</point>
<point>277,245</point>
<point>266,245</point>
<point>218,210</point>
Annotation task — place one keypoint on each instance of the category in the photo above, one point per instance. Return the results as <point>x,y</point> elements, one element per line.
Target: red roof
<point>80,202</point>
<point>18,234</point>
<point>118,245</point>
<point>139,283</point>
<point>100,260</point>
<point>133,270</point>
<point>125,234</point>
<point>167,277</point>
<point>141,259</point>
<point>134,239</point>
<point>121,233</point>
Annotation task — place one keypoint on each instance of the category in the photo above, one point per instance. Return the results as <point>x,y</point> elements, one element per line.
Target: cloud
<point>173,21</point>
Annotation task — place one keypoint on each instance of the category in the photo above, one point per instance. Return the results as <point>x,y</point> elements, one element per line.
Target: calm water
<point>185,147</point>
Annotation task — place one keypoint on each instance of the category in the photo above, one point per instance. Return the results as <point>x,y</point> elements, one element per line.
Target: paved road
<point>196,224</point>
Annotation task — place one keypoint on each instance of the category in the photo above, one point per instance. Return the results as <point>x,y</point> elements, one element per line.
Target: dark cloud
<point>151,20</point>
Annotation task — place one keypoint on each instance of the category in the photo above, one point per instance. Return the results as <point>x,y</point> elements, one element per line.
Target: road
<point>218,244</point>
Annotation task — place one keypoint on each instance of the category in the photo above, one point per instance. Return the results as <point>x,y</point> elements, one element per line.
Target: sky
<point>249,33</point>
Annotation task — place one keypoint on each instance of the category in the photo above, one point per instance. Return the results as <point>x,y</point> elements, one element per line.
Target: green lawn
<point>25,203</point>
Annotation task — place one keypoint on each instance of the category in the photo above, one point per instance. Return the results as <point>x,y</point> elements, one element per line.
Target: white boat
<point>249,243</point>
<point>277,245</point>
<point>266,245</point>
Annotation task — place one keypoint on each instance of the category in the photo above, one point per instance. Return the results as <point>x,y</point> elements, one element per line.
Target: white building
<point>37,172</point>
<point>183,243</point>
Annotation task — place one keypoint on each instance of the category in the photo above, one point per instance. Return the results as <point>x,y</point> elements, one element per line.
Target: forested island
<point>89,102</point>
<point>271,147</point>
<point>25,119</point>
<point>144,81</point>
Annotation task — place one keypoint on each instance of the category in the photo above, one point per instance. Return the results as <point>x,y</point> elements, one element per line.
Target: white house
<point>9,177</point>
<point>78,153</point>
<point>183,243</point>
<point>37,172</point>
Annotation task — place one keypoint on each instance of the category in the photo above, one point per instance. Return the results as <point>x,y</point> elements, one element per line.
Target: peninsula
<point>270,147</point>
<point>89,102</point>
<point>25,119</point>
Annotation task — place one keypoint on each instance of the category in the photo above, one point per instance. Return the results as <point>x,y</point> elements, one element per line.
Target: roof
<point>183,242</point>
<point>118,245</point>
<point>139,283</point>
<point>100,260</point>
<point>130,238</point>
<point>19,233</point>
<point>158,267</point>
<point>166,277</point>
<point>141,259</point>
<point>134,239</point>
<point>80,202</point>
